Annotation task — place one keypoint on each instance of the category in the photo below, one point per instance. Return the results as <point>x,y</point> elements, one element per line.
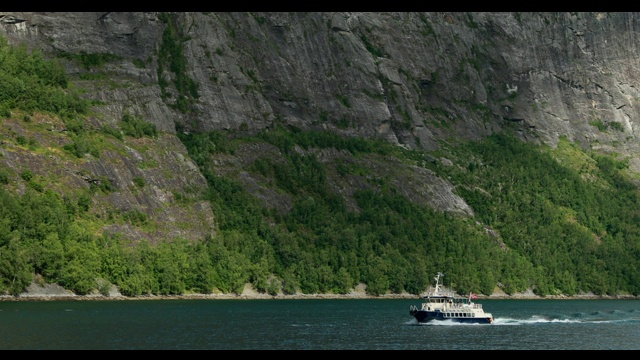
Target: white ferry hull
<point>424,317</point>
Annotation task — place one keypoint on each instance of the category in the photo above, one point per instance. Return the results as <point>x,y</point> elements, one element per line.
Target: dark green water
<point>313,324</point>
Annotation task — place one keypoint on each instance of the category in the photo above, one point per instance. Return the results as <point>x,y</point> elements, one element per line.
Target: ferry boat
<point>440,305</point>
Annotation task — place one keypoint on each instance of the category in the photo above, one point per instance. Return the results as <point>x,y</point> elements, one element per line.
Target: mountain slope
<point>259,128</point>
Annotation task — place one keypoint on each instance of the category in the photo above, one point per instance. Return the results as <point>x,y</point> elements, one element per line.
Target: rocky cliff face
<point>418,80</point>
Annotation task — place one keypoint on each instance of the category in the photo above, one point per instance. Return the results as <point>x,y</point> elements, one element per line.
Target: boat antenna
<point>438,282</point>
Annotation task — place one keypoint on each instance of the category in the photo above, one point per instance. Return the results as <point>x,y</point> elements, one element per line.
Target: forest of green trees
<point>562,234</point>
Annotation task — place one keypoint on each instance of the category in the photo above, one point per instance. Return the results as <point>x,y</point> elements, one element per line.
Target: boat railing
<point>463,305</point>
<point>441,293</point>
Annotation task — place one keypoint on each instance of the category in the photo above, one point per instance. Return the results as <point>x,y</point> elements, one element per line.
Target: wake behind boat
<point>442,305</point>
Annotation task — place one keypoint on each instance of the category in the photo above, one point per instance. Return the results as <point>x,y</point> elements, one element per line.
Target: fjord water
<point>313,324</point>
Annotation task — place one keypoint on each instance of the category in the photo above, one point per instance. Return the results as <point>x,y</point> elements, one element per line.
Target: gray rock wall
<point>414,79</point>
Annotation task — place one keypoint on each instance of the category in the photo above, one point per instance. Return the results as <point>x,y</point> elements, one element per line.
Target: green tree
<point>343,281</point>
<point>377,280</point>
<point>140,277</point>
<point>49,258</point>
<point>15,269</point>
<point>202,277</point>
<point>82,267</point>
<point>171,267</point>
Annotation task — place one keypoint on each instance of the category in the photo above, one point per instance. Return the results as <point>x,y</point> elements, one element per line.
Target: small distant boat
<point>439,305</point>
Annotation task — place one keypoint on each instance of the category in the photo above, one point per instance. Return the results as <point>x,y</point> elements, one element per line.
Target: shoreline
<point>52,292</point>
<point>10,298</point>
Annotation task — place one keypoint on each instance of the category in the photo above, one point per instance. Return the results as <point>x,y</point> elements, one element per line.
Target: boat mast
<point>437,290</point>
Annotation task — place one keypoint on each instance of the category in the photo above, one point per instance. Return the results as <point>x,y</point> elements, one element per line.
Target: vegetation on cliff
<point>560,221</point>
